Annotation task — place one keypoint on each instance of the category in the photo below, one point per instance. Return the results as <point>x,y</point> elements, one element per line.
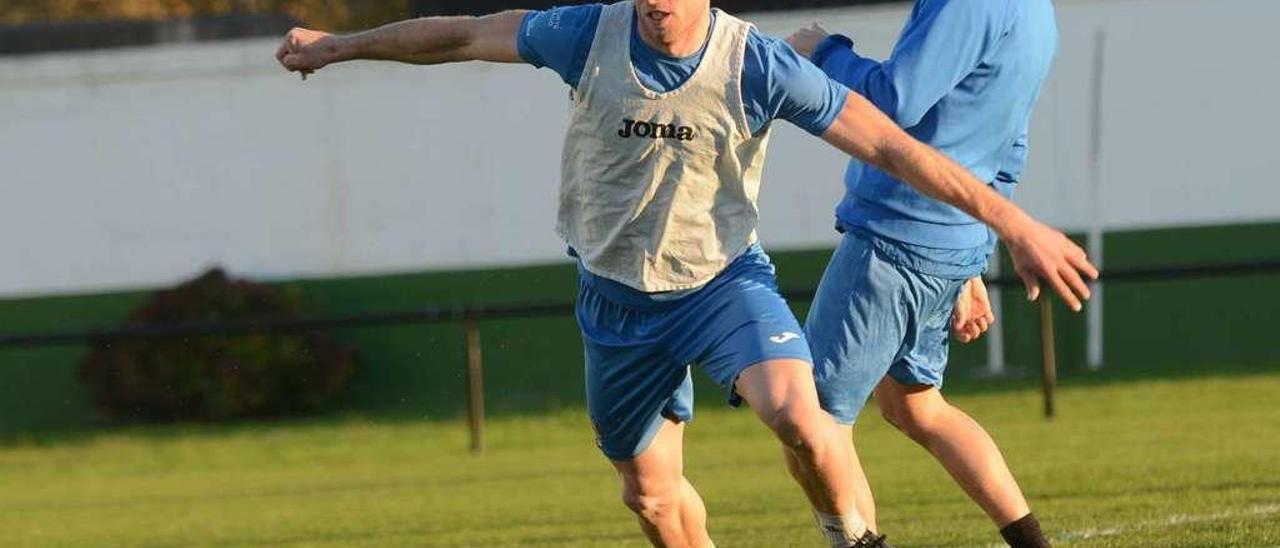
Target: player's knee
<point>801,431</point>
<point>653,505</point>
<point>916,421</point>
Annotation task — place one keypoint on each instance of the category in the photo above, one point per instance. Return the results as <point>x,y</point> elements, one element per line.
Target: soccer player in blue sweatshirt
<point>671,107</point>
<point>963,78</point>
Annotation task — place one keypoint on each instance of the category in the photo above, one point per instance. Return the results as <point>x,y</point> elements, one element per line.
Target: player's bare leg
<point>654,487</point>
<point>862,497</point>
<point>958,442</point>
<point>970,318</point>
<point>783,395</point>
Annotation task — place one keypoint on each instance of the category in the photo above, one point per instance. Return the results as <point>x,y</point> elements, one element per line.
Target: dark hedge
<point>217,377</point>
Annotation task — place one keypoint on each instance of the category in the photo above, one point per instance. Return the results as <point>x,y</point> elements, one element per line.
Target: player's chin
<point>655,29</point>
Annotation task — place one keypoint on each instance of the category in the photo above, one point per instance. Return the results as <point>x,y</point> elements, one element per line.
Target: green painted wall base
<point>535,365</point>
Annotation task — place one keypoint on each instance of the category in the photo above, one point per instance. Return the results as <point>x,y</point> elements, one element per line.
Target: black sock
<point>1025,533</point>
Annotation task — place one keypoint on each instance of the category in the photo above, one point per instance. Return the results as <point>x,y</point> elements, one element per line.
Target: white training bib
<point>658,190</point>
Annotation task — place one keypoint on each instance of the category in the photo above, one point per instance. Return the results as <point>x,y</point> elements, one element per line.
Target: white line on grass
<point>1164,523</point>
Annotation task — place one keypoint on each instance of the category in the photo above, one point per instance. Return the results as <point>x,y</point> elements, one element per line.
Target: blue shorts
<point>638,352</point>
<point>871,317</point>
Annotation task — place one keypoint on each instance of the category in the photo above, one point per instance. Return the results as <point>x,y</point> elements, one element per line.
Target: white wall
<point>1191,94</point>
<point>132,168</point>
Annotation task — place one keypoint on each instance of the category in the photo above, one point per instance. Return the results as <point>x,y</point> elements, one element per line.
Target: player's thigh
<point>782,394</point>
<point>632,383</point>
<point>631,395</point>
<point>657,470</point>
<point>742,322</point>
<point>780,388</point>
<point>856,325</point>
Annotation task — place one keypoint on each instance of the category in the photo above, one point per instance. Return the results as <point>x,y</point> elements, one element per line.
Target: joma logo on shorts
<point>783,337</point>
<point>633,128</point>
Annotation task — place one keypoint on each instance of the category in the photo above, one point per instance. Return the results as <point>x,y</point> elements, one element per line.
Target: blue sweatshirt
<point>963,78</point>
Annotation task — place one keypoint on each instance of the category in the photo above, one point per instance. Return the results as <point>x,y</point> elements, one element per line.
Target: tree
<point>328,14</point>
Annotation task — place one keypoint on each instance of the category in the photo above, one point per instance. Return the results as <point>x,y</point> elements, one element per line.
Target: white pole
<point>1094,312</point>
<point>995,335</point>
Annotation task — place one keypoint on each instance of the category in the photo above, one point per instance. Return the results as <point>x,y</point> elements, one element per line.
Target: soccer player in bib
<point>963,78</point>
<point>672,106</point>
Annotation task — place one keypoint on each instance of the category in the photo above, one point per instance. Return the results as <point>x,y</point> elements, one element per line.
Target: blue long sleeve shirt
<point>963,78</point>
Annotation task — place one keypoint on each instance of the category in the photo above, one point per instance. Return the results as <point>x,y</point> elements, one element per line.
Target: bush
<point>323,14</point>
<point>217,377</point>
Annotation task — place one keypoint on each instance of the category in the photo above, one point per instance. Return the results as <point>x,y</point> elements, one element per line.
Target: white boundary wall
<point>138,167</point>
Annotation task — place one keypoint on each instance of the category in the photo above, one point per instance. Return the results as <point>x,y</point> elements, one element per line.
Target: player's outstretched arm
<point>425,41</point>
<point>1038,251</point>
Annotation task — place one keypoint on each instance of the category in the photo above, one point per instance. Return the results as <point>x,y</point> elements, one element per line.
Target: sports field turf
<point>1185,462</point>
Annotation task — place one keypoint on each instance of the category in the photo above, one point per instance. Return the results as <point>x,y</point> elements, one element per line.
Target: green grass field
<point>1181,462</point>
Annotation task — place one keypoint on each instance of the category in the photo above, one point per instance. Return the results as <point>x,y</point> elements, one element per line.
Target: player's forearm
<point>937,176</point>
<point>419,41</point>
<point>434,40</point>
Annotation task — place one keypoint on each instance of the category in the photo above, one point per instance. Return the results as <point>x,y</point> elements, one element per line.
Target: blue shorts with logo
<point>882,309</point>
<point>639,346</point>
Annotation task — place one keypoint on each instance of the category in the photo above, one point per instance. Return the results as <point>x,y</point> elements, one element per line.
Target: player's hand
<point>305,51</point>
<point>972,315</point>
<point>805,40</point>
<point>1041,253</point>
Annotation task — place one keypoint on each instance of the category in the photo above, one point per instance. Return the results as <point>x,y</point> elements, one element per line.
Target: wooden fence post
<point>1050,362</point>
<point>475,387</point>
